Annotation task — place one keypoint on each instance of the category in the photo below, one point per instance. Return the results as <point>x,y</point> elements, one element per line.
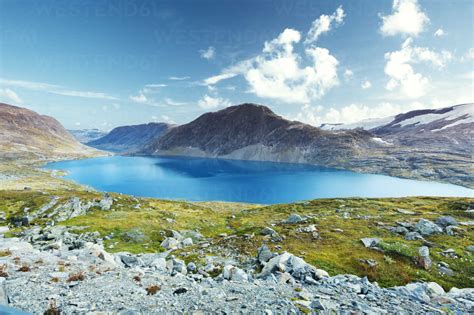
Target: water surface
<point>198,179</point>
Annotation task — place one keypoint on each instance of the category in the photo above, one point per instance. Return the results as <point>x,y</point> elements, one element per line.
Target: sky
<point>102,64</point>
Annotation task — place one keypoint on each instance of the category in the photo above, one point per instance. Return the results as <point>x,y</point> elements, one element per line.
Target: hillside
<point>130,138</point>
<point>28,135</point>
<point>254,132</point>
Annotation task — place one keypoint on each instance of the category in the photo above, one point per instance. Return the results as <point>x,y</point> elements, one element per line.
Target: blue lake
<point>198,179</point>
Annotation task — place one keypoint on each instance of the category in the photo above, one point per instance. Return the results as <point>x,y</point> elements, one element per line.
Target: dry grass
<point>79,276</point>
<point>153,289</point>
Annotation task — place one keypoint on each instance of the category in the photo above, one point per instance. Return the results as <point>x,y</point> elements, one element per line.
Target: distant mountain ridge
<point>87,135</point>
<point>436,147</point>
<point>128,139</point>
<point>27,135</point>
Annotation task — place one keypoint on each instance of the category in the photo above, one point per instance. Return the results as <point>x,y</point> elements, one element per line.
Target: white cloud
<point>10,96</point>
<point>217,78</point>
<point>208,53</point>
<point>407,18</point>
<point>55,89</point>
<point>167,119</point>
<point>439,32</point>
<point>140,98</point>
<point>278,73</point>
<point>324,24</point>
<point>366,85</point>
<point>469,55</point>
<point>179,78</point>
<point>348,74</point>
<point>315,115</point>
<point>401,73</point>
<point>210,102</point>
<point>171,102</point>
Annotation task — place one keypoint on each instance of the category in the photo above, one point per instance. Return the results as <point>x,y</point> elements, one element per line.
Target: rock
<point>295,266</point>
<point>176,266</point>
<point>427,227</point>
<point>170,243</point>
<point>4,229</point>
<point>415,291</point>
<point>470,248</point>
<point>370,241</point>
<point>235,274</point>
<point>180,291</point>
<point>294,218</point>
<point>424,259</point>
<point>400,230</point>
<point>307,229</point>
<point>106,202</point>
<point>159,264</point>
<point>446,221</point>
<point>445,270</point>
<point>98,251</point>
<point>403,211</point>
<point>451,253</point>
<point>413,236</point>
<point>3,292</point>
<point>129,261</point>
<point>187,242</point>
<point>191,267</point>
<point>434,289</point>
<point>264,254</point>
<point>267,231</point>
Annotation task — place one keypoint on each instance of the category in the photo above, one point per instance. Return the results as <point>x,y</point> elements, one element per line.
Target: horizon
<point>104,65</point>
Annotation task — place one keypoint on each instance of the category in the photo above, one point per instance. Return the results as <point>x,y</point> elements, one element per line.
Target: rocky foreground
<point>72,273</point>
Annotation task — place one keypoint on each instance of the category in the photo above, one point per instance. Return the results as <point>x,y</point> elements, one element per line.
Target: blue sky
<point>101,64</point>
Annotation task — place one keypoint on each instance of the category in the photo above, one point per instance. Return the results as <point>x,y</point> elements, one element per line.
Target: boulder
<point>159,264</point>
<point>187,242</point>
<point>446,221</point>
<point>470,248</point>
<point>98,251</point>
<point>370,241</point>
<point>292,264</point>
<point>264,254</point>
<point>129,261</point>
<point>307,229</point>
<point>424,259</point>
<point>267,231</point>
<point>106,202</point>
<point>170,243</point>
<point>176,266</point>
<point>413,236</point>
<point>294,218</point>
<point>235,274</point>
<point>427,227</point>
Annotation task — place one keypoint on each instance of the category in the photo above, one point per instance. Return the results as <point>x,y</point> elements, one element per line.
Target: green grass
<point>336,252</point>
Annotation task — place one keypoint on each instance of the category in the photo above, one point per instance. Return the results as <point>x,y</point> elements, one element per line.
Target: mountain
<point>87,135</point>
<point>254,132</point>
<point>130,138</point>
<point>25,134</point>
<point>431,144</point>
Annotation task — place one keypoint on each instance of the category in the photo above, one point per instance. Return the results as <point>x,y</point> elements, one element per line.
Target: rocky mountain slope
<point>28,135</point>
<point>87,135</point>
<point>254,132</point>
<point>130,138</point>
<point>437,147</point>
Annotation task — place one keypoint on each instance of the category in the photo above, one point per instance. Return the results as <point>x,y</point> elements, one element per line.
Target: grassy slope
<point>336,252</point>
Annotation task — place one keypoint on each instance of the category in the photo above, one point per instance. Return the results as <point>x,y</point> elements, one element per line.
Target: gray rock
<point>294,218</point>
<point>129,261</point>
<point>170,243</point>
<point>400,230</point>
<point>470,248</point>
<point>446,221</point>
<point>445,271</point>
<point>370,241</point>
<point>3,292</point>
<point>191,267</point>
<point>307,229</point>
<point>187,242</point>
<point>413,236</point>
<point>267,231</point>
<point>264,254</point>
<point>427,227</point>
<point>235,274</point>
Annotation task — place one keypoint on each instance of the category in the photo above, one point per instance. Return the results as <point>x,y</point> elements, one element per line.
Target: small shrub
<point>3,272</point>
<point>5,253</point>
<point>152,290</point>
<point>137,278</point>
<point>388,259</point>
<point>398,249</point>
<point>76,277</point>
<point>55,279</point>
<point>53,309</point>
<point>24,268</point>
